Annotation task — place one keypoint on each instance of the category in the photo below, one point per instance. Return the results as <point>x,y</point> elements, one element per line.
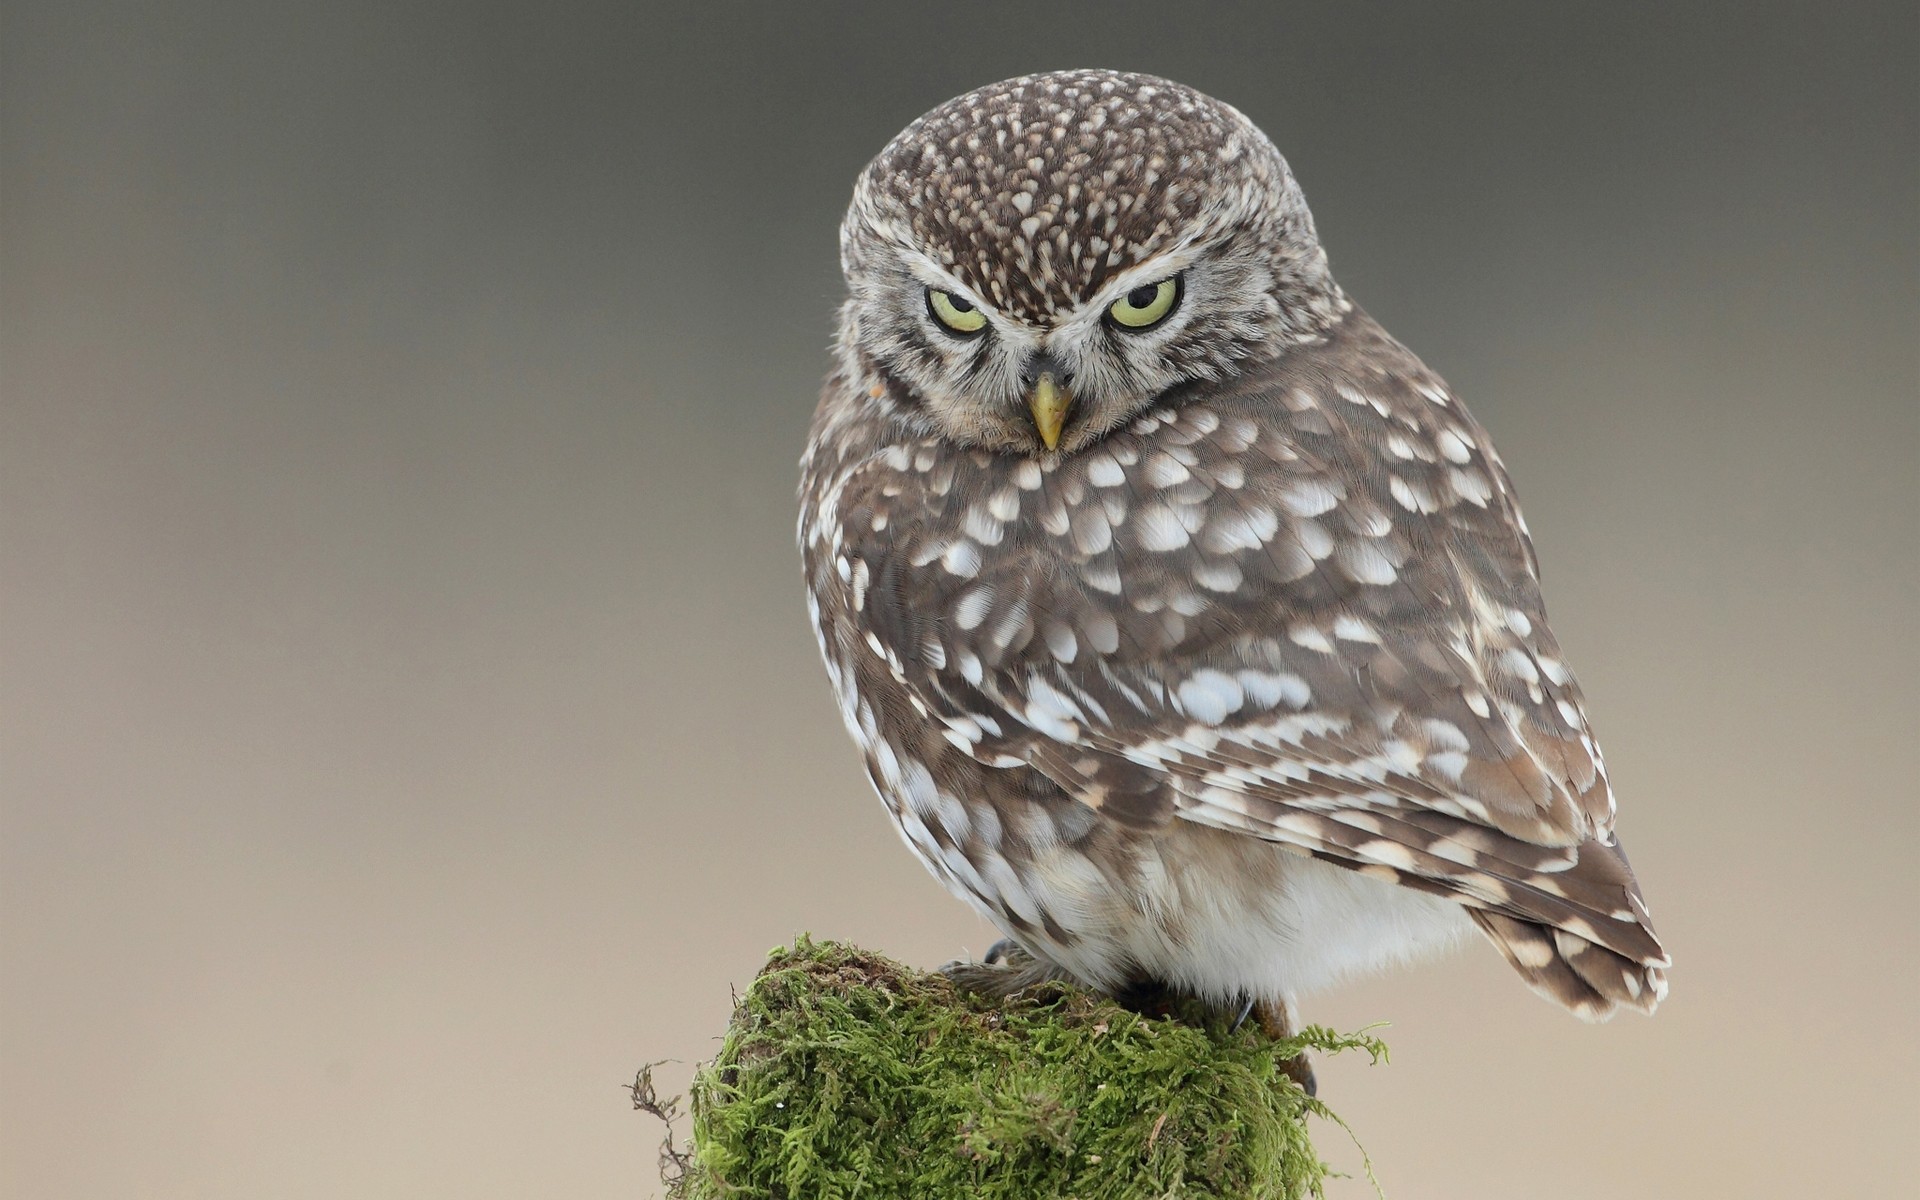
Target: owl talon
<point>1300,1070</point>
<point>1276,1021</point>
<point>1246,1010</point>
<point>1007,969</point>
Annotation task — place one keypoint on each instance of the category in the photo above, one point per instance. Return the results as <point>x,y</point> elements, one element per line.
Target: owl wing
<point>1304,609</point>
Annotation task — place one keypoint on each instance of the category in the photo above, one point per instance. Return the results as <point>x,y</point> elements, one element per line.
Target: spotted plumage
<point>1242,682</point>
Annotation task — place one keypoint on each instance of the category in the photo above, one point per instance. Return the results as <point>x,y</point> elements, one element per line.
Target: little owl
<point>1187,621</point>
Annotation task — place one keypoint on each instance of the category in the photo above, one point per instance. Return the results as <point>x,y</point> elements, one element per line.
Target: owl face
<point>1031,265</point>
<point>985,374</point>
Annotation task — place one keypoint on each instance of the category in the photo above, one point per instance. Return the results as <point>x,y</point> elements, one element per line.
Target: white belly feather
<point>1215,914</point>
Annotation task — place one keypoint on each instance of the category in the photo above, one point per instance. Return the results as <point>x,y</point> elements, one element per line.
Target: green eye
<point>1147,305</point>
<point>955,312</point>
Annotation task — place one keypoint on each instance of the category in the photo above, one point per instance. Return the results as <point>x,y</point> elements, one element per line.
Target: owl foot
<point>1003,951</point>
<point>1008,968</point>
<point>1276,1021</point>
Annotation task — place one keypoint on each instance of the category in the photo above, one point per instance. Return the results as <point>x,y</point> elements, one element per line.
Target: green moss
<point>845,1074</point>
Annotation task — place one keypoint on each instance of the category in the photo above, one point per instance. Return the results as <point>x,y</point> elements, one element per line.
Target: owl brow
<point>1177,259</point>
<point>924,272</point>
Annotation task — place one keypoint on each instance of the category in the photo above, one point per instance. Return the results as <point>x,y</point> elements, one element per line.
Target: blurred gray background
<point>408,720</point>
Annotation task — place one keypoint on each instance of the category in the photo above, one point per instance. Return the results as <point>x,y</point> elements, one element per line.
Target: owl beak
<point>1049,404</point>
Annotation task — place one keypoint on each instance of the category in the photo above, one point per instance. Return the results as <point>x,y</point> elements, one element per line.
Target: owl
<point>1187,622</point>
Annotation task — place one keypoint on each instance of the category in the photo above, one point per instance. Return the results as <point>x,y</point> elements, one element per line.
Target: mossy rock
<point>845,1074</point>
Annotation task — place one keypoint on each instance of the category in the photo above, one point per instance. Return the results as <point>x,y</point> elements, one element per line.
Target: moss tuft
<point>844,1073</point>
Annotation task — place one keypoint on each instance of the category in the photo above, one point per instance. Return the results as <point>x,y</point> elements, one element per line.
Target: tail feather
<point>1589,979</point>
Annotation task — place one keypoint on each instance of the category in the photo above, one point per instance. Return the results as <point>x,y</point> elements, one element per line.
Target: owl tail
<point>1590,980</point>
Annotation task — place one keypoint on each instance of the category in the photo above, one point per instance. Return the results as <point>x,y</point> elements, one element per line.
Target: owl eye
<point>1147,305</point>
<point>955,312</point>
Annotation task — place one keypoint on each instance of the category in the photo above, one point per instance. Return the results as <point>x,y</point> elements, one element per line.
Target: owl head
<point>1032,263</point>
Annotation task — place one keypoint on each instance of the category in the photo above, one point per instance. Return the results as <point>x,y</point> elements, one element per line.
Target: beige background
<point>409,720</point>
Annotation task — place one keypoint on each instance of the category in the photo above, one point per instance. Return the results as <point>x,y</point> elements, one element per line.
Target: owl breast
<point>1216,914</point>
<point>1198,531</point>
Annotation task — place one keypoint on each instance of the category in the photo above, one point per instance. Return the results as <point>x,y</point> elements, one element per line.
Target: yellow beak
<point>1049,405</point>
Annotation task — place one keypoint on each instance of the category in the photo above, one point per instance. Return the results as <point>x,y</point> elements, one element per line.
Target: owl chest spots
<point>969,824</point>
<point>1184,523</point>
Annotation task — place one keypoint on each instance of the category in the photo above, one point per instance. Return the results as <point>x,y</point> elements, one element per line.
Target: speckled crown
<point>1034,191</point>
